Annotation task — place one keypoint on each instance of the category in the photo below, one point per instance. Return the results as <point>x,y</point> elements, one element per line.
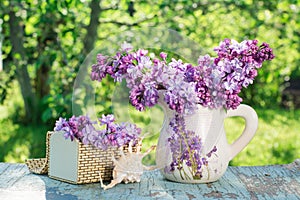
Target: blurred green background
<point>45,43</point>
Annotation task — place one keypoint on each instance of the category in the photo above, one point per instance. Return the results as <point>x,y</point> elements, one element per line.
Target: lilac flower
<point>101,60</point>
<point>140,53</point>
<point>126,47</point>
<point>204,61</point>
<point>73,127</point>
<point>112,135</point>
<point>68,133</point>
<point>177,64</point>
<point>116,135</point>
<point>106,119</point>
<point>131,131</point>
<point>150,94</point>
<point>173,101</point>
<point>144,62</point>
<point>60,124</point>
<point>235,67</point>
<point>99,70</point>
<point>89,134</point>
<point>163,55</point>
<point>190,74</point>
<point>137,97</point>
<point>264,53</point>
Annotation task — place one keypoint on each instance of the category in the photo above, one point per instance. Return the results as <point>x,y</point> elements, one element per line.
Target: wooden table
<point>261,182</point>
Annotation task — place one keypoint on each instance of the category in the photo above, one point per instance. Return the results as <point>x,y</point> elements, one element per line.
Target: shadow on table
<point>58,190</point>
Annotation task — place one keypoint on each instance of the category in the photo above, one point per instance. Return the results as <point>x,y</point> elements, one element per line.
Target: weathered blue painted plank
<point>259,182</point>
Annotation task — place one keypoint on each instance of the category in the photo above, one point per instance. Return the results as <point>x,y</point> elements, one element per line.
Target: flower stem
<point>191,157</point>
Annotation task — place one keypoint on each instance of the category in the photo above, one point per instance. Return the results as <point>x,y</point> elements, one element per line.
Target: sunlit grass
<point>277,139</point>
<point>18,142</point>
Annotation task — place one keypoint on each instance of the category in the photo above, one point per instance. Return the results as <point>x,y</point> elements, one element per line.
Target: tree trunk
<point>20,60</point>
<point>91,35</point>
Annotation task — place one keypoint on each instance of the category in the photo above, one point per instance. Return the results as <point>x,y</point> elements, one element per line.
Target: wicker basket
<point>40,165</point>
<point>75,162</point>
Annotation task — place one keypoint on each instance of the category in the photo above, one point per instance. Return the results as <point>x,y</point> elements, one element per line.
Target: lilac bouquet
<point>112,134</point>
<point>212,82</point>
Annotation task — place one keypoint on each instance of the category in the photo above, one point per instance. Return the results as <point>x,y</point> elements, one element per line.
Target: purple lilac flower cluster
<point>214,82</point>
<point>146,76</point>
<point>237,65</point>
<point>219,80</point>
<point>74,127</point>
<point>113,134</point>
<point>186,148</point>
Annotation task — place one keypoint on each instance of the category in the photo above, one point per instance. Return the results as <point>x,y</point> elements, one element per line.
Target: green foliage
<point>18,141</point>
<point>55,34</point>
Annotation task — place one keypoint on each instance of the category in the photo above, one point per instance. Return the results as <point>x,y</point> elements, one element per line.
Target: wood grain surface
<point>258,182</point>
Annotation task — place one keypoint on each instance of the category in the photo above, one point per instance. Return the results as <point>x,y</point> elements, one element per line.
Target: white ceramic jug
<point>208,160</point>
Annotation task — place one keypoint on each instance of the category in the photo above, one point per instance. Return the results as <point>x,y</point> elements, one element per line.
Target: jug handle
<point>251,124</point>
